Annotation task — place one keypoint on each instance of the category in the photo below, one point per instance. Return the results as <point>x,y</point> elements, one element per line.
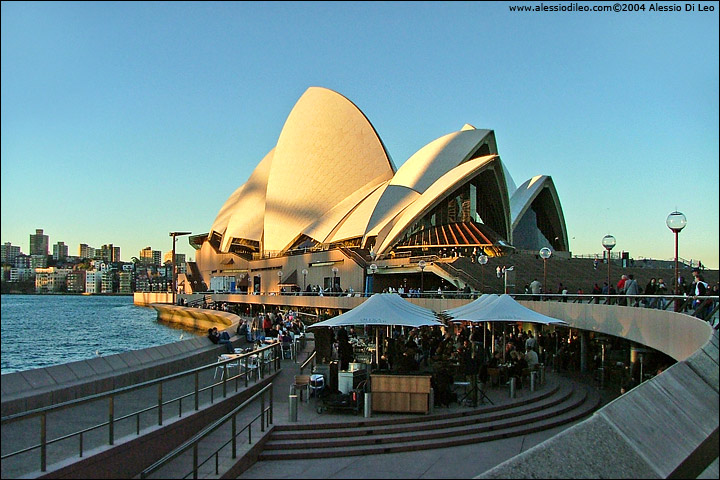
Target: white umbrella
<point>469,311</point>
<point>384,309</point>
<point>502,308</point>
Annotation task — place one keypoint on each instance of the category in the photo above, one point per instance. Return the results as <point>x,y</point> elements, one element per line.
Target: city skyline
<point>125,122</point>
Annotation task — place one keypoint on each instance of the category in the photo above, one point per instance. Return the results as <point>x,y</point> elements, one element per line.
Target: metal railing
<point>266,419</point>
<point>310,361</point>
<point>269,359</point>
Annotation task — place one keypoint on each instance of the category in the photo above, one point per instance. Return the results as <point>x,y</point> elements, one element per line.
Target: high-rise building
<point>110,253</point>
<point>60,251</point>
<point>39,243</point>
<point>8,252</point>
<point>179,261</point>
<point>148,256</point>
<point>85,251</point>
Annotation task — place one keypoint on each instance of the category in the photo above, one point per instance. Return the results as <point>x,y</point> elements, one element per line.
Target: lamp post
<point>174,236</point>
<point>373,269</point>
<point>304,274</point>
<point>279,274</point>
<point>482,260</point>
<point>545,253</point>
<point>608,242</point>
<point>335,271</point>
<point>676,221</point>
<point>422,265</point>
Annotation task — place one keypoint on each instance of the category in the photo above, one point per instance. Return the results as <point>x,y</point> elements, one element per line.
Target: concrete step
<point>474,417</point>
<point>550,388</point>
<point>580,404</point>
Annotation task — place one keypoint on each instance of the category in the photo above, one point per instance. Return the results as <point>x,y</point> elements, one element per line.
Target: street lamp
<point>304,274</point>
<point>545,253</point>
<point>676,221</point>
<point>174,269</point>
<point>608,242</point>
<point>373,269</point>
<point>482,260</point>
<point>279,274</point>
<point>422,265</point>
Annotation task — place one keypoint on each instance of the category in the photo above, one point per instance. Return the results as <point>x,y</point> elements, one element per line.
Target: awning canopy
<point>501,308</point>
<point>384,309</point>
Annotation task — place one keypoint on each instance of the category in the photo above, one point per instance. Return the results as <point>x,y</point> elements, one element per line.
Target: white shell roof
<point>526,193</point>
<point>242,214</point>
<point>438,157</point>
<point>326,152</point>
<point>432,195</point>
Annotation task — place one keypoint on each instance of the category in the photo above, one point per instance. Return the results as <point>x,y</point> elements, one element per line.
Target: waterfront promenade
<point>692,383</point>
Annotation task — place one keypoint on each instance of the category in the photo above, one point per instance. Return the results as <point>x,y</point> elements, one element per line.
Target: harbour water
<point>45,330</point>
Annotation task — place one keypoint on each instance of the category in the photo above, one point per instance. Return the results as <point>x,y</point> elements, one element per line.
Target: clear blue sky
<point>122,122</point>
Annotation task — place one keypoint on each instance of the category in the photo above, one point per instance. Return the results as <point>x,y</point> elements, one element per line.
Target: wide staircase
<point>573,273</point>
<point>559,402</point>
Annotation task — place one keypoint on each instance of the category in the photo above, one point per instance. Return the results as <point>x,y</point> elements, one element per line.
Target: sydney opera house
<point>328,199</point>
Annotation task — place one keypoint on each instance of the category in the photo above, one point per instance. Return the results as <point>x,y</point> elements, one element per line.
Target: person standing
<point>631,288</point>
<point>650,289</point>
<point>535,288</point>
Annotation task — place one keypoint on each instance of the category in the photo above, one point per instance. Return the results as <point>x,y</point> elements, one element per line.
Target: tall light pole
<point>422,265</point>
<point>482,260</point>
<point>676,221</point>
<point>608,242</point>
<point>545,253</point>
<point>174,236</point>
<point>279,274</point>
<point>332,287</point>
<point>304,274</point>
<point>373,269</point>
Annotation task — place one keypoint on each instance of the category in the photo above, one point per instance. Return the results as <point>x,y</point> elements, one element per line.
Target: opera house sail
<point>329,183</point>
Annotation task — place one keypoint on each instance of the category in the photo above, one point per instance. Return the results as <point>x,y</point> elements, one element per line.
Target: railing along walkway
<point>179,459</point>
<point>46,435</point>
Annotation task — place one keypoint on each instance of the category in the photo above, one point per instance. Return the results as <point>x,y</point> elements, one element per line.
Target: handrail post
<point>271,402</point>
<point>246,360</point>
<point>160,403</point>
<point>224,380</point>
<point>111,419</point>
<point>43,442</point>
<point>197,391</point>
<point>262,412</point>
<point>234,434</point>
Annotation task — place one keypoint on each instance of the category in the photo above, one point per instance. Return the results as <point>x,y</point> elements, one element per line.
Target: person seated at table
<point>517,365</point>
<point>531,357</point>
<point>495,360</point>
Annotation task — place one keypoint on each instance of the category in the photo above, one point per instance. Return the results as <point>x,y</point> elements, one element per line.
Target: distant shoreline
<point>55,294</point>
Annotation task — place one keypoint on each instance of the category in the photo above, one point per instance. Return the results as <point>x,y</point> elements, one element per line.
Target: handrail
<point>310,359</point>
<point>196,390</point>
<point>195,440</point>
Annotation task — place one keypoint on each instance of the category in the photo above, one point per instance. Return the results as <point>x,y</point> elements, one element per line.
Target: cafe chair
<point>302,382</point>
<point>221,368</point>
